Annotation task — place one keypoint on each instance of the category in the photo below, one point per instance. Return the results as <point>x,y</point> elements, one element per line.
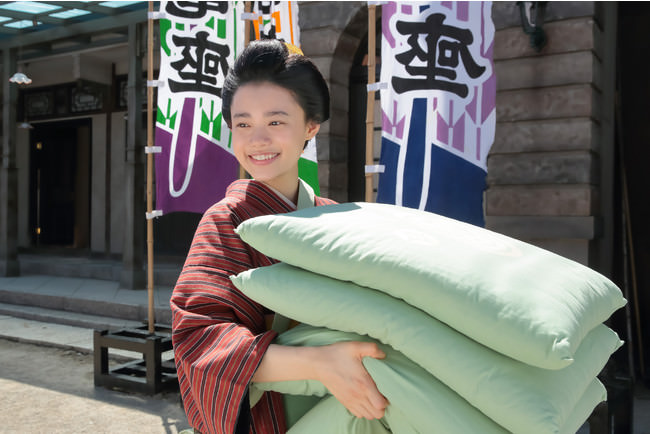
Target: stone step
<point>75,319</point>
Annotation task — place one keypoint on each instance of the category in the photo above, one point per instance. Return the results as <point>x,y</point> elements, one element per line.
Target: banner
<point>198,43</point>
<point>279,20</point>
<point>438,111</point>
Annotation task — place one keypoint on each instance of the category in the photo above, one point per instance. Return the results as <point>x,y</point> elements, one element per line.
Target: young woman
<point>274,102</point>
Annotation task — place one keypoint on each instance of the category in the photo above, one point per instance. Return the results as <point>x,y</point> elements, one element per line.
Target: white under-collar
<point>306,195</point>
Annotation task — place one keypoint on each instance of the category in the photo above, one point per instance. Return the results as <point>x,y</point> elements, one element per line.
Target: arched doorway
<point>357,111</point>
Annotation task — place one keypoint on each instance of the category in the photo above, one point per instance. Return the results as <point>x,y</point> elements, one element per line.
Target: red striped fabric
<point>219,334</point>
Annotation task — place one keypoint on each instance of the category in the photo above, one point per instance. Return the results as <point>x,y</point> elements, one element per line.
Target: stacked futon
<point>483,333</point>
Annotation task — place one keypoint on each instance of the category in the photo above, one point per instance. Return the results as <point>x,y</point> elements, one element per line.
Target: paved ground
<point>50,390</point>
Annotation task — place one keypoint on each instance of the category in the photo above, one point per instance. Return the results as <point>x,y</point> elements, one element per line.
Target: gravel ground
<point>51,390</point>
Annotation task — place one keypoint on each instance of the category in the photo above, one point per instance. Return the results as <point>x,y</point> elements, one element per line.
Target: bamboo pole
<point>370,107</point>
<point>247,39</point>
<point>151,319</point>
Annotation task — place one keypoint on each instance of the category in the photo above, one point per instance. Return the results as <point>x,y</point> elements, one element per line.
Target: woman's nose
<point>260,136</point>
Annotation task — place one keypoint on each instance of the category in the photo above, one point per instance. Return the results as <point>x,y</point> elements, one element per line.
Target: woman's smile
<point>264,157</point>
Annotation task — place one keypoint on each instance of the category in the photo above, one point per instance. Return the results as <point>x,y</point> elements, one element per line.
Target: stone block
<point>544,135</point>
<point>337,181</point>
<point>338,14</point>
<point>340,71</point>
<point>506,14</point>
<point>544,71</point>
<point>339,122</point>
<point>331,148</point>
<point>567,200</point>
<point>319,42</point>
<point>339,97</point>
<point>545,103</point>
<point>346,46</point>
<point>324,65</point>
<point>338,149</point>
<point>576,167</point>
<point>574,249</point>
<point>544,227</point>
<point>563,37</point>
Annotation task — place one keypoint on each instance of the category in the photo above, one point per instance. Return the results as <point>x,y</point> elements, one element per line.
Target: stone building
<point>571,121</point>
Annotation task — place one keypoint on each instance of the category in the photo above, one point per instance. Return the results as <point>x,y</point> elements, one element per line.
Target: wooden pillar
<point>133,273</point>
<point>8,172</point>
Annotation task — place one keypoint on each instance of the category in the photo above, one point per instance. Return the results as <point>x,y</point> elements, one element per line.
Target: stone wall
<point>544,169</point>
<point>330,34</point>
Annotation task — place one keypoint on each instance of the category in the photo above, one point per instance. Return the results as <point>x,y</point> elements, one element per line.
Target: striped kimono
<point>220,335</point>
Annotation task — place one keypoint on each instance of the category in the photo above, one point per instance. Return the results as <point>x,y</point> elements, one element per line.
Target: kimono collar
<point>306,195</point>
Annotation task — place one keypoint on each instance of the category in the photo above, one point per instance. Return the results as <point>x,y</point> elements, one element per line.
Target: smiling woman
<point>274,103</point>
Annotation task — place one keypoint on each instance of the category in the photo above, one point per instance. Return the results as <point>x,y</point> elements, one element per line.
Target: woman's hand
<point>338,366</point>
<point>341,370</point>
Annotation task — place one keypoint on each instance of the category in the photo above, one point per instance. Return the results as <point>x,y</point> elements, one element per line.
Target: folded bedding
<point>418,401</point>
<point>522,301</point>
<point>517,396</point>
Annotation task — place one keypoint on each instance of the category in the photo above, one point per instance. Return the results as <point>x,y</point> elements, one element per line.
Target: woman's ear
<point>312,130</point>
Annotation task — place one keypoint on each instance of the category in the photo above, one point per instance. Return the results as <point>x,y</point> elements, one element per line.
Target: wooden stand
<point>149,375</point>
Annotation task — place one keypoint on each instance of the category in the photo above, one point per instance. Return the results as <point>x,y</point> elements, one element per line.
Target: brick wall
<point>544,169</point>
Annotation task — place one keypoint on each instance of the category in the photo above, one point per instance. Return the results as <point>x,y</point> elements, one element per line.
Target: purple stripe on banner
<point>462,11</point>
<point>483,35</point>
<point>459,134</point>
<point>442,129</point>
<point>478,144</point>
<point>407,9</point>
<point>396,127</point>
<point>387,11</point>
<point>448,5</point>
<point>489,89</point>
<point>471,107</point>
<point>451,116</point>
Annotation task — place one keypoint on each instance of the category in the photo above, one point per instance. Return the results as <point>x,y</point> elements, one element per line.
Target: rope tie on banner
<point>375,168</point>
<point>156,15</point>
<point>377,86</point>
<point>251,16</point>
<point>153,214</point>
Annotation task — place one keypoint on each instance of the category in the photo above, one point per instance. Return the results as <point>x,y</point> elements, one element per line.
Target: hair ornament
<point>293,49</point>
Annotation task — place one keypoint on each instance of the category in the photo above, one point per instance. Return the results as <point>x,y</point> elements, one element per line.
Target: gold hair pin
<point>293,49</point>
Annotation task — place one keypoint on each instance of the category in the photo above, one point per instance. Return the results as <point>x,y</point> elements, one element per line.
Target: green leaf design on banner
<point>209,122</point>
<point>221,29</point>
<point>165,25</point>
<point>163,118</point>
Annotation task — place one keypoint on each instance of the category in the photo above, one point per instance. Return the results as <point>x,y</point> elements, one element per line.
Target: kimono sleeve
<point>218,333</point>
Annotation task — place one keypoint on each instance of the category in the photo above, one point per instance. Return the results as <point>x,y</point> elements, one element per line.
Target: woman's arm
<point>338,366</point>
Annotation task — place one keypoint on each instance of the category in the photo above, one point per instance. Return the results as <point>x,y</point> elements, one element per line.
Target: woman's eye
<point>241,125</point>
<point>275,123</point>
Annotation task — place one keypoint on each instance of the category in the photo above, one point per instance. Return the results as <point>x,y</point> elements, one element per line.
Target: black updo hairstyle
<point>268,60</point>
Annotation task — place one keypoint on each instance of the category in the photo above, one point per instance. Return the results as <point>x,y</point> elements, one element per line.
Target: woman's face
<point>268,134</point>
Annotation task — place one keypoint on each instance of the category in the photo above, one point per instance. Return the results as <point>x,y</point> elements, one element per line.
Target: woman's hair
<point>268,60</point>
